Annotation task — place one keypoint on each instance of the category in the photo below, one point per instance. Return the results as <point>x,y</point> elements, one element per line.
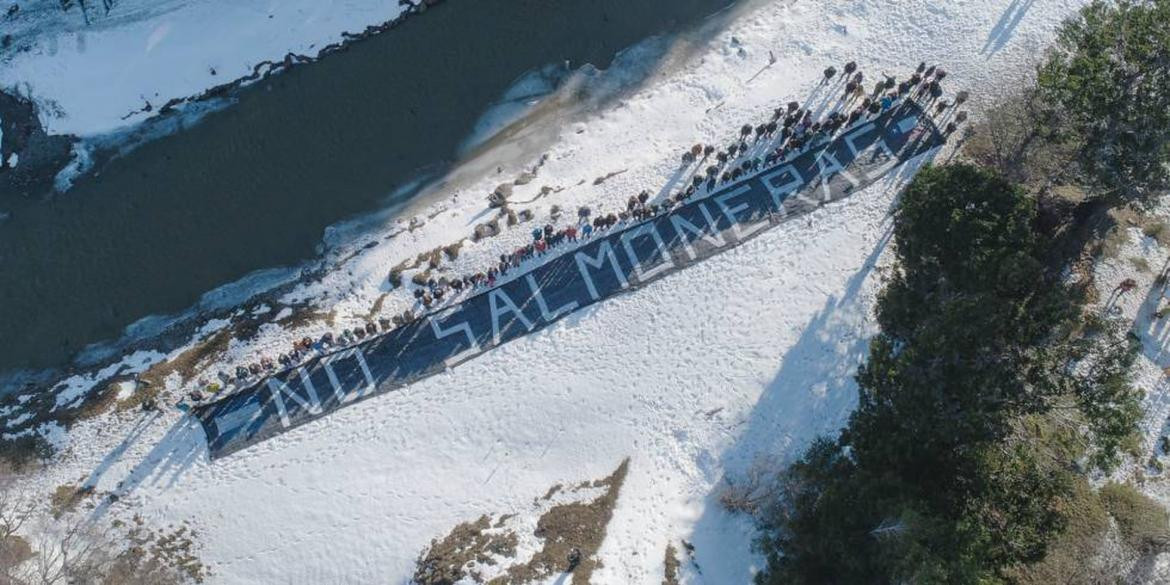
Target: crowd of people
<point>793,128</point>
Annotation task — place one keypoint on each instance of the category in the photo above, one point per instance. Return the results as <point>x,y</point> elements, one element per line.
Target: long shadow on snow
<point>811,395</point>
<point>170,458</point>
<point>1003,30</point>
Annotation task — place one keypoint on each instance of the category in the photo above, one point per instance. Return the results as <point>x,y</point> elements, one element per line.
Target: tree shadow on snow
<point>812,394</point>
<point>1154,334</point>
<point>183,445</point>
<point>1003,30</point>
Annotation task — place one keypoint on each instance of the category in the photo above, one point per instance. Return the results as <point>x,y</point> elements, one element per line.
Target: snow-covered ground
<point>1141,252</point>
<point>740,359</point>
<point>95,78</point>
<point>1142,257</point>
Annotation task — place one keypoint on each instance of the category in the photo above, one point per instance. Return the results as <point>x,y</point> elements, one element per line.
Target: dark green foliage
<point>970,294</point>
<point>1108,79</point>
<point>943,474</point>
<point>991,389</point>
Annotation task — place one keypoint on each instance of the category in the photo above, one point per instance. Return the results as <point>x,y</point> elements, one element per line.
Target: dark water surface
<point>254,185</point>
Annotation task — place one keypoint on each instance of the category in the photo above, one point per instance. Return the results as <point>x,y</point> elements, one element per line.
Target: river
<point>254,185</point>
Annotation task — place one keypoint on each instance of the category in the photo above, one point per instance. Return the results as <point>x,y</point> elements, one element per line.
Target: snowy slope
<point>746,356</point>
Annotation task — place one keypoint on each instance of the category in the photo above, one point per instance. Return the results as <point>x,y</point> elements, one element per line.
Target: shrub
<point>1144,524</point>
<point>1156,229</point>
<point>1081,539</point>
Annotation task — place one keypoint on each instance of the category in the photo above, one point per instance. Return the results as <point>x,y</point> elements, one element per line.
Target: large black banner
<point>620,260</point>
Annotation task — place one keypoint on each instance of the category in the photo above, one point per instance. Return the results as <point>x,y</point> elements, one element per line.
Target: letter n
<point>279,389</point>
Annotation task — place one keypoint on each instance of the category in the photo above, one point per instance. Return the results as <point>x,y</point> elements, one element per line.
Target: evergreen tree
<point>1108,79</point>
<point>938,476</point>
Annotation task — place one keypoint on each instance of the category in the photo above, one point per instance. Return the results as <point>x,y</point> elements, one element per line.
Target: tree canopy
<point>938,476</point>
<point>1108,79</point>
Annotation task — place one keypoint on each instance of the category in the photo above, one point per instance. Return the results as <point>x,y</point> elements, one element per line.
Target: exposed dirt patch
<point>671,566</point>
<point>569,530</point>
<point>452,559</point>
<point>304,315</point>
<point>608,176</point>
<point>377,308</point>
<point>162,554</point>
<point>551,492</point>
<point>576,525</point>
<point>66,497</point>
<point>185,364</point>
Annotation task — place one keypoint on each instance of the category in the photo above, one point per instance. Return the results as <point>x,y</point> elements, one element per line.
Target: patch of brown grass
<point>1144,524</point>
<point>1156,229</point>
<point>395,276</point>
<point>66,497</point>
<point>1114,241</point>
<point>157,558</point>
<point>432,258</point>
<point>447,560</point>
<point>14,550</point>
<point>1065,561</point>
<point>1140,264</point>
<point>568,526</point>
<point>562,528</point>
<point>1081,554</point>
<point>671,566</point>
<point>452,251</point>
<point>304,315</point>
<point>96,402</point>
<point>421,278</point>
<point>552,492</point>
<point>186,362</point>
<point>377,308</point>
<point>99,401</point>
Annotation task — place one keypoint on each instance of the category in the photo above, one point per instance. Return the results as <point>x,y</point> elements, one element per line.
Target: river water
<point>254,185</point>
